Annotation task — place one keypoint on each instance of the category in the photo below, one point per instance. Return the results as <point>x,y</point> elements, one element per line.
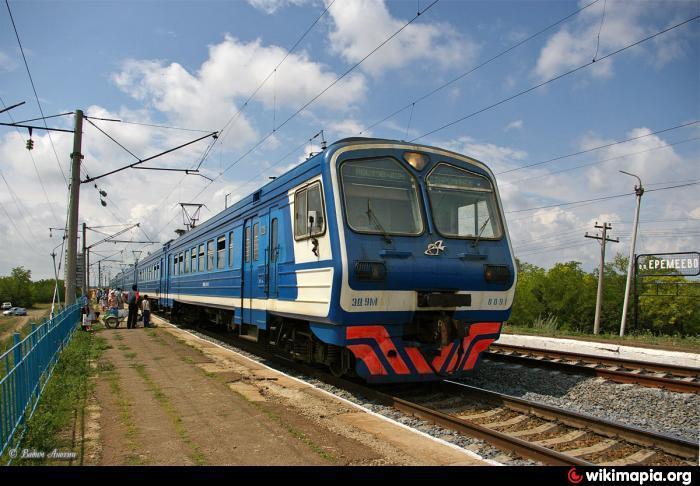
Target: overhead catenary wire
<point>555,78</point>
<point>593,149</point>
<point>602,198</point>
<point>477,67</point>
<point>36,96</point>
<point>598,162</point>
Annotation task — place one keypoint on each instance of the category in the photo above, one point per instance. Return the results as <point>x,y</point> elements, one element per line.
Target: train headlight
<point>370,270</point>
<point>496,273</point>
<point>417,160</point>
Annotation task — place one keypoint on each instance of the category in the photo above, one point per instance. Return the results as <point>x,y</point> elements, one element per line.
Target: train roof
<point>279,183</point>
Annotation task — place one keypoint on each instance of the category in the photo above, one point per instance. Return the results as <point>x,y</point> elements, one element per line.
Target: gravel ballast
<point>653,409</point>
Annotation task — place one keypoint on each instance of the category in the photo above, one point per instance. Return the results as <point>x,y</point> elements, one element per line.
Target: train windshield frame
<point>463,204</point>
<point>381,197</point>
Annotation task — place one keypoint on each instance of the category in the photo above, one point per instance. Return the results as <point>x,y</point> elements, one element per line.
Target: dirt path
<point>164,397</point>
<point>157,408</point>
<point>11,324</point>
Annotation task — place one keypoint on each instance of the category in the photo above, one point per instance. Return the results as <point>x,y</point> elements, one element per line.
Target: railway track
<point>545,434</point>
<point>680,379</point>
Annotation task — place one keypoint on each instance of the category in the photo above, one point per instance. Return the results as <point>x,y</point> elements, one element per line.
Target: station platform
<point>167,397</point>
<point>607,350</point>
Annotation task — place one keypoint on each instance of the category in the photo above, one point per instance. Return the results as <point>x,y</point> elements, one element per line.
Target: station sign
<point>685,264</point>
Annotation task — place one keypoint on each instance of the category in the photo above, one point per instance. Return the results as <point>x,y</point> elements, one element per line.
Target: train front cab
<point>427,275</point>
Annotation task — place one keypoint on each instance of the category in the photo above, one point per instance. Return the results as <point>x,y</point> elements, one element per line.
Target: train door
<point>273,253</point>
<point>247,273</point>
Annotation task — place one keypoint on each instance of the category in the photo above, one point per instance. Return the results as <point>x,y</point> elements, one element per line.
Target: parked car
<point>15,311</point>
<point>6,306</point>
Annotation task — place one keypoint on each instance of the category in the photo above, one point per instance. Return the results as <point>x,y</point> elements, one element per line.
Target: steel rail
<point>501,440</point>
<point>667,443</point>
<point>687,384</point>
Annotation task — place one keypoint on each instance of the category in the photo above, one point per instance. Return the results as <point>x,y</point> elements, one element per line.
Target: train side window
<point>230,249</point>
<point>247,244</point>
<point>273,240</point>
<point>193,257</point>
<point>309,216</point>
<point>180,269</point>
<point>220,252</point>
<point>210,255</point>
<point>256,227</point>
<point>187,261</point>
<point>201,258</point>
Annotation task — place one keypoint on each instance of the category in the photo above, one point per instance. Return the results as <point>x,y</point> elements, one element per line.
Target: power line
<point>555,78</point>
<point>611,144</point>
<point>569,169</point>
<point>36,169</point>
<point>603,198</point>
<point>223,132</point>
<point>463,75</point>
<point>314,98</point>
<point>36,96</point>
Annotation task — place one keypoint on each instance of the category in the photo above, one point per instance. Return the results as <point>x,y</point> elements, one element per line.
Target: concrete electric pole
<point>638,191</point>
<point>599,296</point>
<point>72,249</point>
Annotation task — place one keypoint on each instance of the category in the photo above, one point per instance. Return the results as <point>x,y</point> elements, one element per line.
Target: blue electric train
<point>378,258</point>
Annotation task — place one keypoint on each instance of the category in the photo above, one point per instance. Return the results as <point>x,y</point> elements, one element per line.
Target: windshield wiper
<point>373,217</point>
<point>481,231</point>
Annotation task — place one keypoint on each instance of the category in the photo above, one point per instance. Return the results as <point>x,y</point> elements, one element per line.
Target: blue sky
<point>193,64</point>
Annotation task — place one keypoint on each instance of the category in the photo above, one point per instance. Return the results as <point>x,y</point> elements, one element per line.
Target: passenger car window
<point>210,255</point>
<point>221,252</point>
<point>309,216</point>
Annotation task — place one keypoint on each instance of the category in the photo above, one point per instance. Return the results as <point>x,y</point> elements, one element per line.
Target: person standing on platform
<point>132,299</point>
<point>146,310</point>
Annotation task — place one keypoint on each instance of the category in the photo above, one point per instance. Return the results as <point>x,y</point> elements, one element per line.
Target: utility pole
<point>599,296</point>
<point>84,282</point>
<point>72,249</point>
<point>638,190</point>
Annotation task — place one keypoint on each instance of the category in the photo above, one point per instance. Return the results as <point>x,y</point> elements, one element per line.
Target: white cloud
<point>359,26</point>
<point>625,22</point>
<point>7,64</point>
<point>514,125</point>
<point>210,96</point>
<point>488,153</point>
<point>271,6</point>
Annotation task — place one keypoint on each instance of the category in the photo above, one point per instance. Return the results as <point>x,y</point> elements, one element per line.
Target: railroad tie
<point>535,430</point>
<point>636,458</point>
<point>601,446</point>
<point>505,423</point>
<point>573,435</point>
<point>476,416</point>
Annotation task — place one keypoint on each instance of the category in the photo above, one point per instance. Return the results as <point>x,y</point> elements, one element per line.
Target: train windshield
<point>463,203</point>
<point>381,196</point>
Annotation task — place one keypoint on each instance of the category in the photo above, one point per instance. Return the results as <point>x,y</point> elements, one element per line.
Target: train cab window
<point>273,240</point>
<point>230,249</point>
<point>201,258</point>
<point>256,227</point>
<point>193,258</point>
<point>247,244</point>
<point>210,255</point>
<point>220,252</point>
<point>309,217</point>
<point>381,196</point>
<point>463,203</point>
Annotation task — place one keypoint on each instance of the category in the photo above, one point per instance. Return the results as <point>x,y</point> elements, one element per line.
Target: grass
<point>9,322</point>
<point>62,405</point>
<point>676,343</point>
